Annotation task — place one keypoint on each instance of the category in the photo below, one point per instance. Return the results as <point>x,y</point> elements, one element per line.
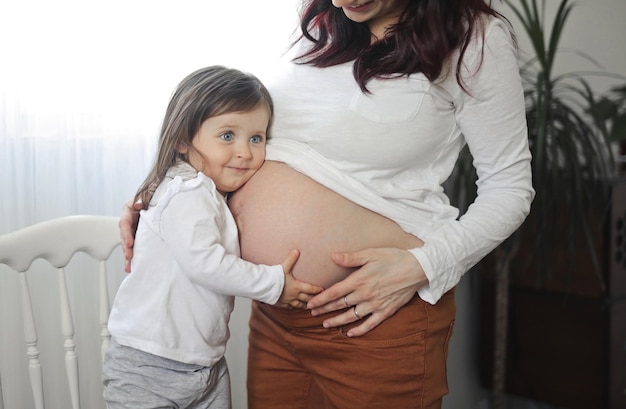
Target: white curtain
<point>83,87</point>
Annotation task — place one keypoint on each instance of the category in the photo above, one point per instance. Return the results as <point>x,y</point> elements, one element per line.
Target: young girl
<point>169,322</point>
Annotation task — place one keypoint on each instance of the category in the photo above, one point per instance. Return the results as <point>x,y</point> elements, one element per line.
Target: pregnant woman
<point>372,106</point>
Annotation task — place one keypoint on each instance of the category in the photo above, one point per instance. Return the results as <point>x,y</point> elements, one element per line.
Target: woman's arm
<point>128,227</point>
<point>492,119</point>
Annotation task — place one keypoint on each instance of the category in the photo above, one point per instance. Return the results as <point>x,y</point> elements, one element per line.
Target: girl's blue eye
<point>256,139</point>
<point>227,136</point>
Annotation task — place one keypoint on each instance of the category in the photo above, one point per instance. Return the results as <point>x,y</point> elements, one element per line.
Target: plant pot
<point>566,333</point>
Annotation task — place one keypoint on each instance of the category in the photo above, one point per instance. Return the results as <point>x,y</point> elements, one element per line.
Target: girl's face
<point>230,148</point>
<point>378,14</point>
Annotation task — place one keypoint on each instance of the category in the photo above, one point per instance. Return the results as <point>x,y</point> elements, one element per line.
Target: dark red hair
<point>427,33</point>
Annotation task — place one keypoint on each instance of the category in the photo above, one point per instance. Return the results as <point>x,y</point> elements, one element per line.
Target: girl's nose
<point>243,151</point>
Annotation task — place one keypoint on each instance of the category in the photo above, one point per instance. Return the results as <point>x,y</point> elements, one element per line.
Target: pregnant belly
<point>280,209</point>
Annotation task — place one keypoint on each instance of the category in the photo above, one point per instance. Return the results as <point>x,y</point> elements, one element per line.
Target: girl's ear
<point>183,149</point>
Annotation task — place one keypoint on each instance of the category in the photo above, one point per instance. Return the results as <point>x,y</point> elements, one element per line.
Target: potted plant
<point>571,130</point>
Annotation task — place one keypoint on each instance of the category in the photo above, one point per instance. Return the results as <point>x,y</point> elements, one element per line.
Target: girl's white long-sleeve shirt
<point>390,151</point>
<point>177,300</point>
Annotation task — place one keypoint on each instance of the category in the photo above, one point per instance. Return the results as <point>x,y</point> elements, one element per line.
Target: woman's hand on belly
<point>386,279</point>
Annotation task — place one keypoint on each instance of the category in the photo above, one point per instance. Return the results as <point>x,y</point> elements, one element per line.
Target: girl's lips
<point>238,170</point>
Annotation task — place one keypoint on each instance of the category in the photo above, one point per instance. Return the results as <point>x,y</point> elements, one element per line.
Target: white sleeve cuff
<point>429,293</point>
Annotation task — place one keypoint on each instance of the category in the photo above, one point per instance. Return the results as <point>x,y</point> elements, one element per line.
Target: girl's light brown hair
<point>203,94</point>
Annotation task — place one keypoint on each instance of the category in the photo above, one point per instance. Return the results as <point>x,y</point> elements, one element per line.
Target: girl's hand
<point>295,293</point>
<point>128,228</point>
<point>387,279</point>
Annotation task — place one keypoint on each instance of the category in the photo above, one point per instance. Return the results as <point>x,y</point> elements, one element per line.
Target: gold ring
<point>356,312</point>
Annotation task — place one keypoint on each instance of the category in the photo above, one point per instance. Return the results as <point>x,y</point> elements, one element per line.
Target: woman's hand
<point>387,279</point>
<point>128,228</point>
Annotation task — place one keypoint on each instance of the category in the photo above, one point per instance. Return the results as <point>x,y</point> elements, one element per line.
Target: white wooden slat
<point>30,338</point>
<point>67,329</point>
<point>104,308</point>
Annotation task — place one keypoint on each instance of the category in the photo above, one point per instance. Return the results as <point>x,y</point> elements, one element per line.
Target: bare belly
<point>280,209</point>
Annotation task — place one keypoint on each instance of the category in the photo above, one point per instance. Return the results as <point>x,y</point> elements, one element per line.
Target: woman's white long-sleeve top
<point>177,300</point>
<point>391,150</point>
